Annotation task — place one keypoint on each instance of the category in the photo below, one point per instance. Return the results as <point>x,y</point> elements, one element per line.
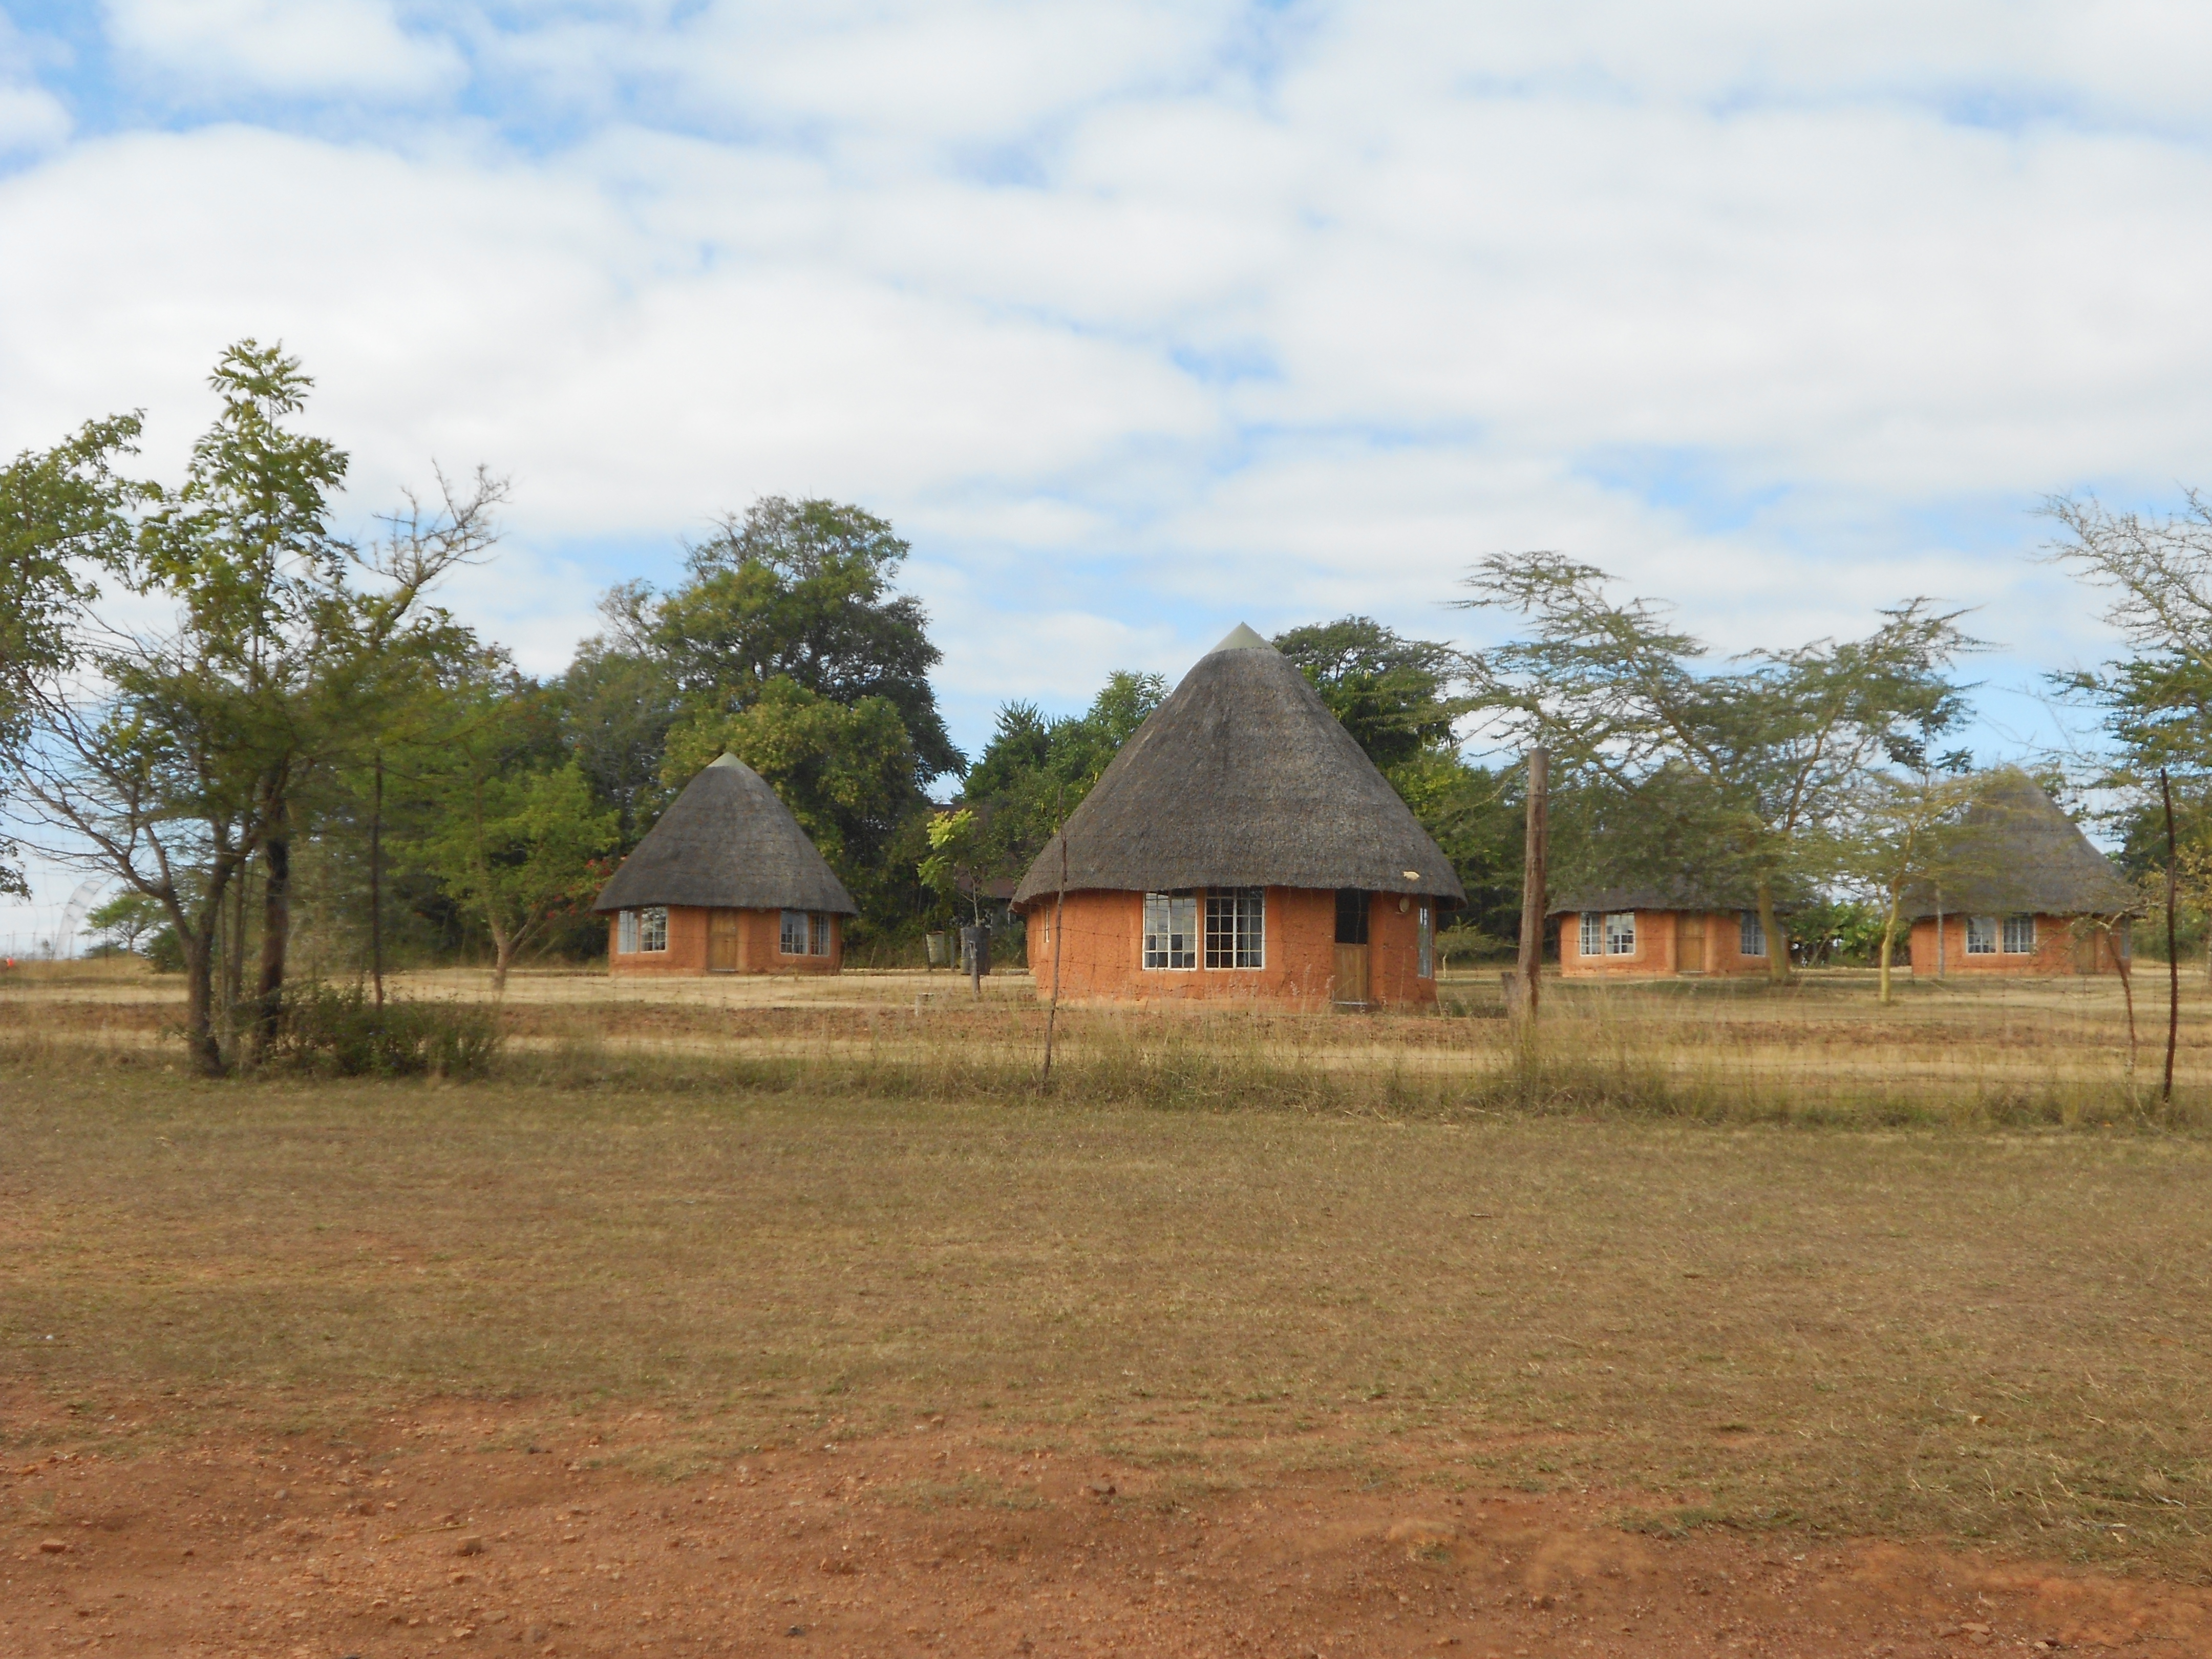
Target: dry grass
<point>1445,1263</point>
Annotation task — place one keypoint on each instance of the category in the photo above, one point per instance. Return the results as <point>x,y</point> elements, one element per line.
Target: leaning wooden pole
<point>1533,884</point>
<point>2172,954</point>
<point>1059,909</point>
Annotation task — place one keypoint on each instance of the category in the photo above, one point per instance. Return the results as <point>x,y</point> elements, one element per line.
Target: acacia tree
<point>1770,751</point>
<point>173,753</point>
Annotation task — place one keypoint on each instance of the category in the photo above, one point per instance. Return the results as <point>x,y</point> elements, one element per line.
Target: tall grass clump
<point>336,1031</point>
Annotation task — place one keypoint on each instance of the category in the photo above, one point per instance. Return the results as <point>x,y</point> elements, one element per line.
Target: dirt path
<point>469,1527</point>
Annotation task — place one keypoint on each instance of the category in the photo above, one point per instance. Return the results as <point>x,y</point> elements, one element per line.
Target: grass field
<point>1732,1259</point>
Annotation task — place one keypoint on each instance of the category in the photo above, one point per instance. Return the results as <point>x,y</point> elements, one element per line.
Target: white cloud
<point>302,48</point>
<point>1141,319</point>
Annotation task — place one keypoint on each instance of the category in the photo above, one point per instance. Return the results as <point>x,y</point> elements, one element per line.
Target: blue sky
<point>1142,319</point>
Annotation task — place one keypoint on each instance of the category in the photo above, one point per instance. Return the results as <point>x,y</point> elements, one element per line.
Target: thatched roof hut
<point>727,843</point>
<point>1242,779</point>
<point>2016,853</point>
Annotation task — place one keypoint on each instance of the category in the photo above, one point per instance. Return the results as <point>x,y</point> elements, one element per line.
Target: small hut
<point>1659,927</point>
<point>2022,892</point>
<point>727,883</point>
<point>1240,846</point>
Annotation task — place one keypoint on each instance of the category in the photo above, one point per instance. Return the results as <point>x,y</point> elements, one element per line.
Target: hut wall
<point>1659,948</point>
<point>760,951</point>
<point>1104,934</point>
<point>2058,949</point>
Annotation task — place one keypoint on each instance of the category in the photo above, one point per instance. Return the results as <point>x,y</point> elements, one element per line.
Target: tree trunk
<point>503,943</point>
<point>276,936</point>
<point>1778,945</point>
<point>203,1045</point>
<point>1888,944</point>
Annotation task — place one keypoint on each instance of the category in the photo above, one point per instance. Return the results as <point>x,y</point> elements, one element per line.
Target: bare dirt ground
<point>465,1528</point>
<point>582,1360</point>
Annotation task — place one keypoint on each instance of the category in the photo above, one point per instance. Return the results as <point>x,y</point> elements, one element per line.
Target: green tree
<point>1390,692</point>
<point>190,746</point>
<point>1766,756</point>
<point>512,838</point>
<point>801,591</point>
<point>66,516</point>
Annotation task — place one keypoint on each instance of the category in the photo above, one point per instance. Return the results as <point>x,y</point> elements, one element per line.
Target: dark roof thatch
<point>1659,894</point>
<point>2017,852</point>
<point>1243,777</point>
<point>727,843</point>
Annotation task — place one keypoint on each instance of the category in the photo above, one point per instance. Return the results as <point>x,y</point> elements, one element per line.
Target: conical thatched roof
<point>1243,777</point>
<point>727,843</point>
<point>2017,852</point>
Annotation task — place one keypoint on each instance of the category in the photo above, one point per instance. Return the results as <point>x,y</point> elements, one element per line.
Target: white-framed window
<point>791,939</point>
<point>1593,938</point>
<point>818,935</point>
<point>1427,923</point>
<point>1170,930</point>
<point>2019,936</point>
<point>1751,936</point>
<point>626,932</point>
<point>1620,934</point>
<point>1236,928</point>
<point>1981,936</point>
<point>644,930</point>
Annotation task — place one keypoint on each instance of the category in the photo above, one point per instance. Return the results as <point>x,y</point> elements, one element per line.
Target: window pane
<point>627,932</point>
<point>820,932</point>
<point>1620,934</point>
<point>1428,968</point>
<point>2020,935</point>
<point>1236,927</point>
<point>794,940</point>
<point>1593,941</point>
<point>652,929</point>
<point>1751,939</point>
<point>1981,936</point>
<point>1170,930</point>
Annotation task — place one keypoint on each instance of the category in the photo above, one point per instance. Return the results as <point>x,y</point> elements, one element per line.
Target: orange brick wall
<point>1657,938</point>
<point>760,951</point>
<point>1104,959</point>
<point>2054,952</point>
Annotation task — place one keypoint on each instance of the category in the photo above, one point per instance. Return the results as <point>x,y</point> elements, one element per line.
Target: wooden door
<point>1352,974</point>
<point>1689,944</point>
<point>722,941</point>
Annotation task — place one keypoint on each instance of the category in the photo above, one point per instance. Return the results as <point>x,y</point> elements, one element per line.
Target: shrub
<point>339,1032</point>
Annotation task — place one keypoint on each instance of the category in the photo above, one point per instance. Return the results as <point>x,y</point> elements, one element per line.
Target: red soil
<point>452,1531</point>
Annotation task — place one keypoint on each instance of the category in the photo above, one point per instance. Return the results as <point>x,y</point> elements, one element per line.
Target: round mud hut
<point>2022,892</point>
<point>1665,926</point>
<point>1241,847</point>
<point>727,883</point>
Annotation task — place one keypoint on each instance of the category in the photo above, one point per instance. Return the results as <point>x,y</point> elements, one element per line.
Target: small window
<point>1751,935</point>
<point>1593,939</point>
<point>819,943</point>
<point>1170,930</point>
<point>1620,934</point>
<point>626,932</point>
<point>792,939</point>
<point>1352,908</point>
<point>1428,936</point>
<point>652,928</point>
<point>1981,936</point>
<point>1236,928</point>
<point>2019,936</point>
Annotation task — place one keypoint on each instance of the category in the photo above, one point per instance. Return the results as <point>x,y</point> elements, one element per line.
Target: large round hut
<point>2022,892</point>
<point>1240,846</point>
<point>727,883</point>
